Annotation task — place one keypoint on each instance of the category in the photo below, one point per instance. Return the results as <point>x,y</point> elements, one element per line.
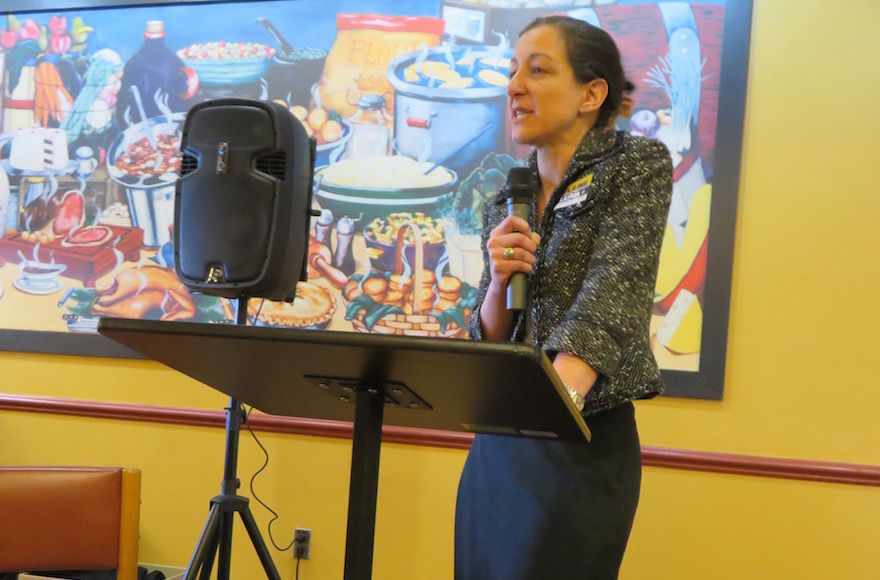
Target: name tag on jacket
<point>576,193</point>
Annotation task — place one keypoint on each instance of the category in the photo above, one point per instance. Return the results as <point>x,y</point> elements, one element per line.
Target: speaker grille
<point>188,164</point>
<point>274,164</point>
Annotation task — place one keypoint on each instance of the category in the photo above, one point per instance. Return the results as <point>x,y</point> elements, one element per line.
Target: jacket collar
<point>597,143</point>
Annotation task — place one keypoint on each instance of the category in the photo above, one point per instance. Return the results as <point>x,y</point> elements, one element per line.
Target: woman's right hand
<point>511,248</point>
<point>513,235</point>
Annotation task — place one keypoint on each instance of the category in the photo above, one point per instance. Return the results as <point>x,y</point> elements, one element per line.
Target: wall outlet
<point>302,543</point>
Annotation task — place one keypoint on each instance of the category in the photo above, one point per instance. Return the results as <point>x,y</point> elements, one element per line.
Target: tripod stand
<point>217,533</point>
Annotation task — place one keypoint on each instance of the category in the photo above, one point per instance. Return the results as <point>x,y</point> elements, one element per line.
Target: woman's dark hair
<point>592,54</point>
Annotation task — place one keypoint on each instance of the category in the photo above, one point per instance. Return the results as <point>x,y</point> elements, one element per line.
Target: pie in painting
<point>312,308</point>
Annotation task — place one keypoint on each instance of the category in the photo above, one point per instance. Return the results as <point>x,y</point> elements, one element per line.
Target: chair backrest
<point>69,518</point>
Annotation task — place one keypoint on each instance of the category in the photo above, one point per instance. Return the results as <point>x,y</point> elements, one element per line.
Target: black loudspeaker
<point>242,203</point>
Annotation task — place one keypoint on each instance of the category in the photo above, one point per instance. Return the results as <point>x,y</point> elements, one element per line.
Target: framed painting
<point>93,96</point>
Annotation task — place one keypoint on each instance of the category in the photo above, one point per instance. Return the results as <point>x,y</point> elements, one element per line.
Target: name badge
<point>576,193</point>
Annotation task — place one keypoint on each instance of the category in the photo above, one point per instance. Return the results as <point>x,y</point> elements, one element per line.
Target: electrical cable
<point>254,493</point>
<point>259,309</point>
<point>262,468</point>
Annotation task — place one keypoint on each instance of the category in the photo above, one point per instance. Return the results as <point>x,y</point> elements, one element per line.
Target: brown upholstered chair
<point>69,518</point>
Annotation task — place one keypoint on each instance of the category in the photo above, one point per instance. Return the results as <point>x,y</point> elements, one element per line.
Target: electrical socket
<point>302,543</point>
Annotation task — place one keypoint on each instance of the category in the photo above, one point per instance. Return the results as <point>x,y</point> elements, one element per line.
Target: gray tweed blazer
<point>593,287</point>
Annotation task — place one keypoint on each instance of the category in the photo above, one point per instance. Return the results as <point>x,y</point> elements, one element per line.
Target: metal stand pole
<point>370,405</point>
<point>216,537</point>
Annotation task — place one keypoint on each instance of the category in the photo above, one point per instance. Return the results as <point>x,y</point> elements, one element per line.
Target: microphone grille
<point>519,176</point>
<point>519,187</point>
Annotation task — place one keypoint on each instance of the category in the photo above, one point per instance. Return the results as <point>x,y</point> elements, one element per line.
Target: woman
<point>544,509</point>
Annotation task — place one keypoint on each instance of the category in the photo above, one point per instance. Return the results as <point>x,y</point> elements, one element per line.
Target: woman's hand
<point>575,373</point>
<point>511,246</point>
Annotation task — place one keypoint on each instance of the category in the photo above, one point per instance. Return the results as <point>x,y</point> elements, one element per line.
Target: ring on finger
<point>508,253</point>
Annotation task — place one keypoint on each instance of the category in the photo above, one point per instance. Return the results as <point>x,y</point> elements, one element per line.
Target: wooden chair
<point>70,518</point>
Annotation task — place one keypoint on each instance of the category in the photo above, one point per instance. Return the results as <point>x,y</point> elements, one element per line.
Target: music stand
<point>457,385</point>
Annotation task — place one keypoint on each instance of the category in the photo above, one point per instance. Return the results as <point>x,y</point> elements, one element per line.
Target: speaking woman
<point>532,509</point>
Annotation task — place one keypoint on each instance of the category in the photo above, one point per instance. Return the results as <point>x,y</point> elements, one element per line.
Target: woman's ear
<point>595,92</point>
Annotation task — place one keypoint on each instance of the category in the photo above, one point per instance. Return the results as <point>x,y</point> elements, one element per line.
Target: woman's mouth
<point>517,113</point>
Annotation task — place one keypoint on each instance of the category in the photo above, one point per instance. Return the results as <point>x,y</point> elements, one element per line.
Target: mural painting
<point>407,102</point>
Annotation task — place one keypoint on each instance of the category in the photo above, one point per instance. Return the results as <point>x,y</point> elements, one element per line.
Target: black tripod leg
<point>216,538</point>
<point>203,556</point>
<point>225,543</point>
<point>206,569</point>
<point>259,545</point>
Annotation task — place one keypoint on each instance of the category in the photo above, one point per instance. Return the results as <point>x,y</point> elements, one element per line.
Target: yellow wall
<point>804,318</point>
<point>800,383</point>
<point>801,375</point>
<point>306,481</point>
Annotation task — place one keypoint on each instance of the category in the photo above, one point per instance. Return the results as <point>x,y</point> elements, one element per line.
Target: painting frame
<point>708,382</point>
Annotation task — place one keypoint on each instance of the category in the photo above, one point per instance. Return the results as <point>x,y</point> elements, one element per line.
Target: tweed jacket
<point>592,289</point>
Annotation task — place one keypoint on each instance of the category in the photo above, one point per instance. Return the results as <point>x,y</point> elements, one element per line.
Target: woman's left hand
<point>575,372</point>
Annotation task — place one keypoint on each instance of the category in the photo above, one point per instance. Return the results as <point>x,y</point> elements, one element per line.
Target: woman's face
<point>544,98</point>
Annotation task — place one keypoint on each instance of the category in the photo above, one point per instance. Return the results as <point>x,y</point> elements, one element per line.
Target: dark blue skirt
<point>533,509</point>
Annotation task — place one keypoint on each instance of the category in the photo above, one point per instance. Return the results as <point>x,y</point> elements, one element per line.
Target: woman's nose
<point>514,86</point>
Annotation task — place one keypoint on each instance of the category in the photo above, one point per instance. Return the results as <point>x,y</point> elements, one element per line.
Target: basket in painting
<point>409,301</point>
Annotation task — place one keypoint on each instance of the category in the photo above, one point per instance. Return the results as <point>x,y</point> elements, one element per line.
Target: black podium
<point>456,385</point>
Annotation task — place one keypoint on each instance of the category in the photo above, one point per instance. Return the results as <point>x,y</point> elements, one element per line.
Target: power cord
<point>257,315</point>
<point>263,467</point>
<point>254,477</point>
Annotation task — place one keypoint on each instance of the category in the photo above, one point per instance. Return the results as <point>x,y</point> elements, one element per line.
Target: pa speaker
<point>242,203</point>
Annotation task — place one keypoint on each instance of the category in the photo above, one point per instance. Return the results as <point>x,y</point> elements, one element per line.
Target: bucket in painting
<point>450,104</point>
<point>144,159</point>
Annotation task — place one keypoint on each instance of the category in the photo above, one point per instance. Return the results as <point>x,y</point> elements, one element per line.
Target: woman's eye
<point>536,70</point>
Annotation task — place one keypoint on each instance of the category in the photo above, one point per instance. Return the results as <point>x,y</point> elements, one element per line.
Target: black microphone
<point>519,194</point>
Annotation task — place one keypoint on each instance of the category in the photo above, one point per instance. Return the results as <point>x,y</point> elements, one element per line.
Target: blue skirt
<point>532,509</point>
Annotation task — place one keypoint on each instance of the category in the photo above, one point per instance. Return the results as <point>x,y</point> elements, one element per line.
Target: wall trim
<point>750,465</point>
